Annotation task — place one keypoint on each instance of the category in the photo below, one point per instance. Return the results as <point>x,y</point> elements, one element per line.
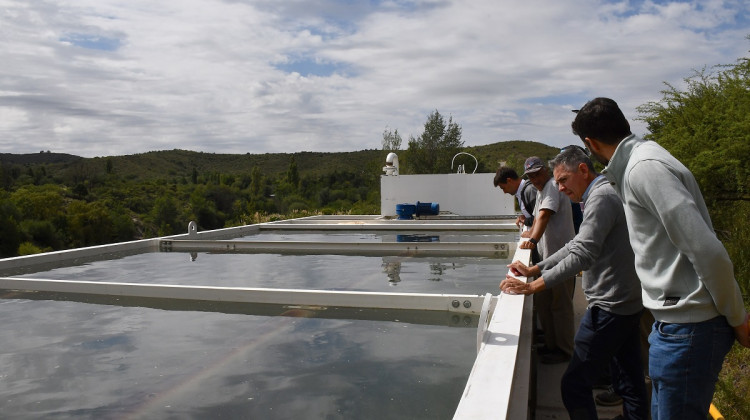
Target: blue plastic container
<point>427,209</point>
<point>405,211</point>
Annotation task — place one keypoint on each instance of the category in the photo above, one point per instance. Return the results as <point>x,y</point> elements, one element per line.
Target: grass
<point>732,395</point>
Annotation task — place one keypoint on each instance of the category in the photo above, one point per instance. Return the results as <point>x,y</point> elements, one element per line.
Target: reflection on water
<point>393,270</point>
<point>74,360</point>
<point>385,236</point>
<point>417,238</point>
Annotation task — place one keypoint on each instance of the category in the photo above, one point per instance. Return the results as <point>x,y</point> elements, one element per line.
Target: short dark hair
<point>504,173</point>
<point>570,158</point>
<point>601,119</point>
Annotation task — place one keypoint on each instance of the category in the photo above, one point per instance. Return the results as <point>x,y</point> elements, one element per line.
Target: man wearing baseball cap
<point>551,230</point>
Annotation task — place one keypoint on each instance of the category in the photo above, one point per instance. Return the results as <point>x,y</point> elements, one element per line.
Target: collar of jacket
<point>615,170</point>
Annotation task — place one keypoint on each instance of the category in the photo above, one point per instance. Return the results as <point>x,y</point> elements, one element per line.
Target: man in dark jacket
<point>508,180</point>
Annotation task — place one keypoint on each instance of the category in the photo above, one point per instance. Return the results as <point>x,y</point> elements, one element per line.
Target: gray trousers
<point>554,310</point>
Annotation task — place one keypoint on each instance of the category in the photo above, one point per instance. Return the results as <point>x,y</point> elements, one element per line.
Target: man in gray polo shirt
<point>551,230</point>
<point>608,337</point>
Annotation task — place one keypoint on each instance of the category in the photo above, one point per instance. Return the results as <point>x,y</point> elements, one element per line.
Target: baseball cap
<point>532,164</point>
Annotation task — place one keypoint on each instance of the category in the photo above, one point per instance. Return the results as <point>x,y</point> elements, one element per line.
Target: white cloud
<point>110,77</point>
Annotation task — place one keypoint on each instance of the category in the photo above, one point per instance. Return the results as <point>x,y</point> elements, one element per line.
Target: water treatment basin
<point>103,355</point>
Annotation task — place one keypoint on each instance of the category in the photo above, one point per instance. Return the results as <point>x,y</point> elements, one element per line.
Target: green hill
<point>175,164</point>
<point>37,158</point>
<point>513,153</point>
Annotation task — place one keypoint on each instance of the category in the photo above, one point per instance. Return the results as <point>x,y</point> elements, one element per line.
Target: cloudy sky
<point>117,77</point>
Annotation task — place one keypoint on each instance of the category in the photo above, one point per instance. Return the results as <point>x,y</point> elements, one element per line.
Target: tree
<point>9,230</point>
<point>391,139</point>
<point>44,202</point>
<point>256,182</point>
<point>707,127</point>
<point>432,151</point>
<point>292,175</point>
<point>43,233</point>
<point>203,210</point>
<point>95,223</point>
<point>165,214</point>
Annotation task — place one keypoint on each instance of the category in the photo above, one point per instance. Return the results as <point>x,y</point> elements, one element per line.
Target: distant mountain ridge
<point>37,158</point>
<point>182,163</point>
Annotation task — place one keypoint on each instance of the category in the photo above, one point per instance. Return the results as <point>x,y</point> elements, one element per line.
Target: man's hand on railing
<point>513,286</point>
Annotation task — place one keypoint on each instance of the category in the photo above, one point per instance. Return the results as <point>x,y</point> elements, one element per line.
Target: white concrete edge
<point>498,386</point>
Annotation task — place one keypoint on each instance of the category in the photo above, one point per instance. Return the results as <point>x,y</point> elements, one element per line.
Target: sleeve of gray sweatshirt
<point>583,250</point>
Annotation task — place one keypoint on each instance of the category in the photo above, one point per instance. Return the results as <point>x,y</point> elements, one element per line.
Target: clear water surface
<point>66,359</point>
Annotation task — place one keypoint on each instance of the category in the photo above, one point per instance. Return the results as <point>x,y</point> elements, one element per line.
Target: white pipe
<point>391,164</point>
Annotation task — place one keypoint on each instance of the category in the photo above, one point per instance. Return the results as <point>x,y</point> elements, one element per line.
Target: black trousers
<point>606,341</point>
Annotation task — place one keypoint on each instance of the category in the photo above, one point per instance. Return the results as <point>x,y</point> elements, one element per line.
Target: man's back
<point>681,263</point>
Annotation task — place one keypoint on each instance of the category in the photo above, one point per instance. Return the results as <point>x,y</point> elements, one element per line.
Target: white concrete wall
<point>501,380</point>
<point>462,194</point>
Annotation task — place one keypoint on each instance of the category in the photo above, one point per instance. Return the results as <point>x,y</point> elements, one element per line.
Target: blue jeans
<point>605,342</point>
<point>684,364</point>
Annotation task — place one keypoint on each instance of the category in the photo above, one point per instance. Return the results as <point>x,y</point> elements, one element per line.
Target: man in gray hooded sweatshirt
<point>686,275</point>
